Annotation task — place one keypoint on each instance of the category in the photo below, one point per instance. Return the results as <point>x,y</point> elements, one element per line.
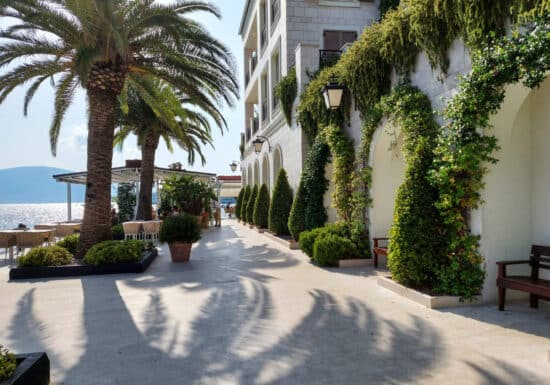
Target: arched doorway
<point>277,163</point>
<point>388,173</point>
<point>256,172</point>
<point>250,176</point>
<point>516,209</point>
<point>265,171</point>
<point>243,178</point>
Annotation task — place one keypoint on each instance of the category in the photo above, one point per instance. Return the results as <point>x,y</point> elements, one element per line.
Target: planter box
<point>80,270</point>
<point>259,230</point>
<point>286,242</point>
<point>429,301</point>
<point>32,369</point>
<point>355,262</point>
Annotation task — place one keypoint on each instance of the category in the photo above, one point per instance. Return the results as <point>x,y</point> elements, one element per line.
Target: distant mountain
<point>35,185</point>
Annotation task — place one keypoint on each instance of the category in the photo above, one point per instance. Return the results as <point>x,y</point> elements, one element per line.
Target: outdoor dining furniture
<point>64,229</point>
<point>7,241</point>
<point>151,230</point>
<point>25,239</point>
<point>132,230</point>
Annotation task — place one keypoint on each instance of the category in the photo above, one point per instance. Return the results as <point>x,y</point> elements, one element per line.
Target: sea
<point>30,214</point>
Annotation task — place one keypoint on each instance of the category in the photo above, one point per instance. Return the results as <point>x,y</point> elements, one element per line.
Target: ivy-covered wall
<point>429,27</point>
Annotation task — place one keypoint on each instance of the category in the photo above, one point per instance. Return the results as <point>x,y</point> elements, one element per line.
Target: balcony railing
<point>252,64</point>
<point>248,134</point>
<point>328,57</point>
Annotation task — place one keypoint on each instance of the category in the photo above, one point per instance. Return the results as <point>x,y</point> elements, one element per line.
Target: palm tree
<point>162,116</point>
<point>99,44</point>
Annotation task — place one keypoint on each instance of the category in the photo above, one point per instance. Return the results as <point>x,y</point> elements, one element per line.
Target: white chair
<point>132,230</point>
<point>7,241</point>
<point>151,230</point>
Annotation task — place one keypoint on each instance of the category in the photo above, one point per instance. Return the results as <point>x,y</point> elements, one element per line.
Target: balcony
<point>252,64</point>
<point>255,123</point>
<point>328,57</point>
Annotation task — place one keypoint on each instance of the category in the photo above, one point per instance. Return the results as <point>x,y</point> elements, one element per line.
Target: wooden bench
<point>538,288</point>
<point>378,248</point>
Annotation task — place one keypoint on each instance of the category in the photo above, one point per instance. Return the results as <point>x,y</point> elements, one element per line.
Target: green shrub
<point>297,217</point>
<point>46,256</point>
<point>261,208</point>
<point>329,249</point>
<point>70,243</point>
<point>118,232</point>
<point>280,205</point>
<point>126,199</point>
<point>308,238</point>
<point>246,198</point>
<point>180,228</point>
<point>113,252</point>
<point>287,90</point>
<point>239,204</point>
<point>7,364</point>
<point>250,205</point>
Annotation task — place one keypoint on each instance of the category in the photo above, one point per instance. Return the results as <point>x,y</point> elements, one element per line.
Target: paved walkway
<point>246,311</point>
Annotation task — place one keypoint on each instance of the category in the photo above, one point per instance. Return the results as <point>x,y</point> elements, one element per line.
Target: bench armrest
<point>380,239</point>
<point>517,262</point>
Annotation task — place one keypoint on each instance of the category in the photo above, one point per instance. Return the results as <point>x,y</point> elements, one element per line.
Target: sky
<point>25,140</point>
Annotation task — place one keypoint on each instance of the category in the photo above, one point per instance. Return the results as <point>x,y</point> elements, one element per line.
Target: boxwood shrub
<point>180,228</point>
<point>112,252</point>
<point>307,238</point>
<point>46,256</point>
<point>329,249</point>
<point>250,205</point>
<point>70,243</point>
<point>118,232</point>
<point>244,203</point>
<point>7,364</point>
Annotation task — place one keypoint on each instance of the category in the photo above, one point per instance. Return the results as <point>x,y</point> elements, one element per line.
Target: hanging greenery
<point>387,5</point>
<point>287,90</point>
<point>464,149</point>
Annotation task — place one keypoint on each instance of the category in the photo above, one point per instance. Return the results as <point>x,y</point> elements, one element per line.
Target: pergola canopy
<point>130,174</point>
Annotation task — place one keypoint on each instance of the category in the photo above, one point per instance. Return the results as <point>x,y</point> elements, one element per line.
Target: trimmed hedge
<point>113,252</point>
<point>281,203</point>
<point>250,204</point>
<point>239,204</point>
<point>46,256</point>
<point>307,240</point>
<point>118,232</point>
<point>329,249</point>
<point>261,208</point>
<point>297,218</point>
<point>246,198</point>
<point>70,242</point>
<point>8,363</point>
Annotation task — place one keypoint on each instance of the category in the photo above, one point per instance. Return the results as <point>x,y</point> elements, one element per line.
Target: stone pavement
<point>247,311</point>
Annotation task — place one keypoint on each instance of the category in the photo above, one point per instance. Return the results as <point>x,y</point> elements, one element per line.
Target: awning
<point>129,175</point>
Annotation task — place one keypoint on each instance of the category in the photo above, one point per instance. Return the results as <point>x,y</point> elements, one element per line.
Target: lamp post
<point>332,93</point>
<point>233,165</point>
<point>258,143</point>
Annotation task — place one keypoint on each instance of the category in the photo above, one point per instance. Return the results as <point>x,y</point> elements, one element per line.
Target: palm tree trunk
<point>96,225</point>
<point>145,202</point>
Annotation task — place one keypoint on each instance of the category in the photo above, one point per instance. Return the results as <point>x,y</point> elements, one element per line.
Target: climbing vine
<point>343,158</point>
<point>287,90</point>
<point>464,149</point>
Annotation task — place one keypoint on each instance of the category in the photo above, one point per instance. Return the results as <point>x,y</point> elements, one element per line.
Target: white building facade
<point>277,35</point>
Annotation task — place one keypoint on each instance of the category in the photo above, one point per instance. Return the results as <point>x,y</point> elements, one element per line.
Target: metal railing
<point>328,57</point>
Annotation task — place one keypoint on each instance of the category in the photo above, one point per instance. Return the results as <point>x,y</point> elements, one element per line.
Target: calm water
<point>32,213</point>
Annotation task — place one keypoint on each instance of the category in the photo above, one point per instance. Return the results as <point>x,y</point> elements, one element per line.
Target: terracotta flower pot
<point>180,251</point>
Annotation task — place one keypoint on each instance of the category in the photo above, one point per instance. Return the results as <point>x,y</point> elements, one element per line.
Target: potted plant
<point>180,232</point>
